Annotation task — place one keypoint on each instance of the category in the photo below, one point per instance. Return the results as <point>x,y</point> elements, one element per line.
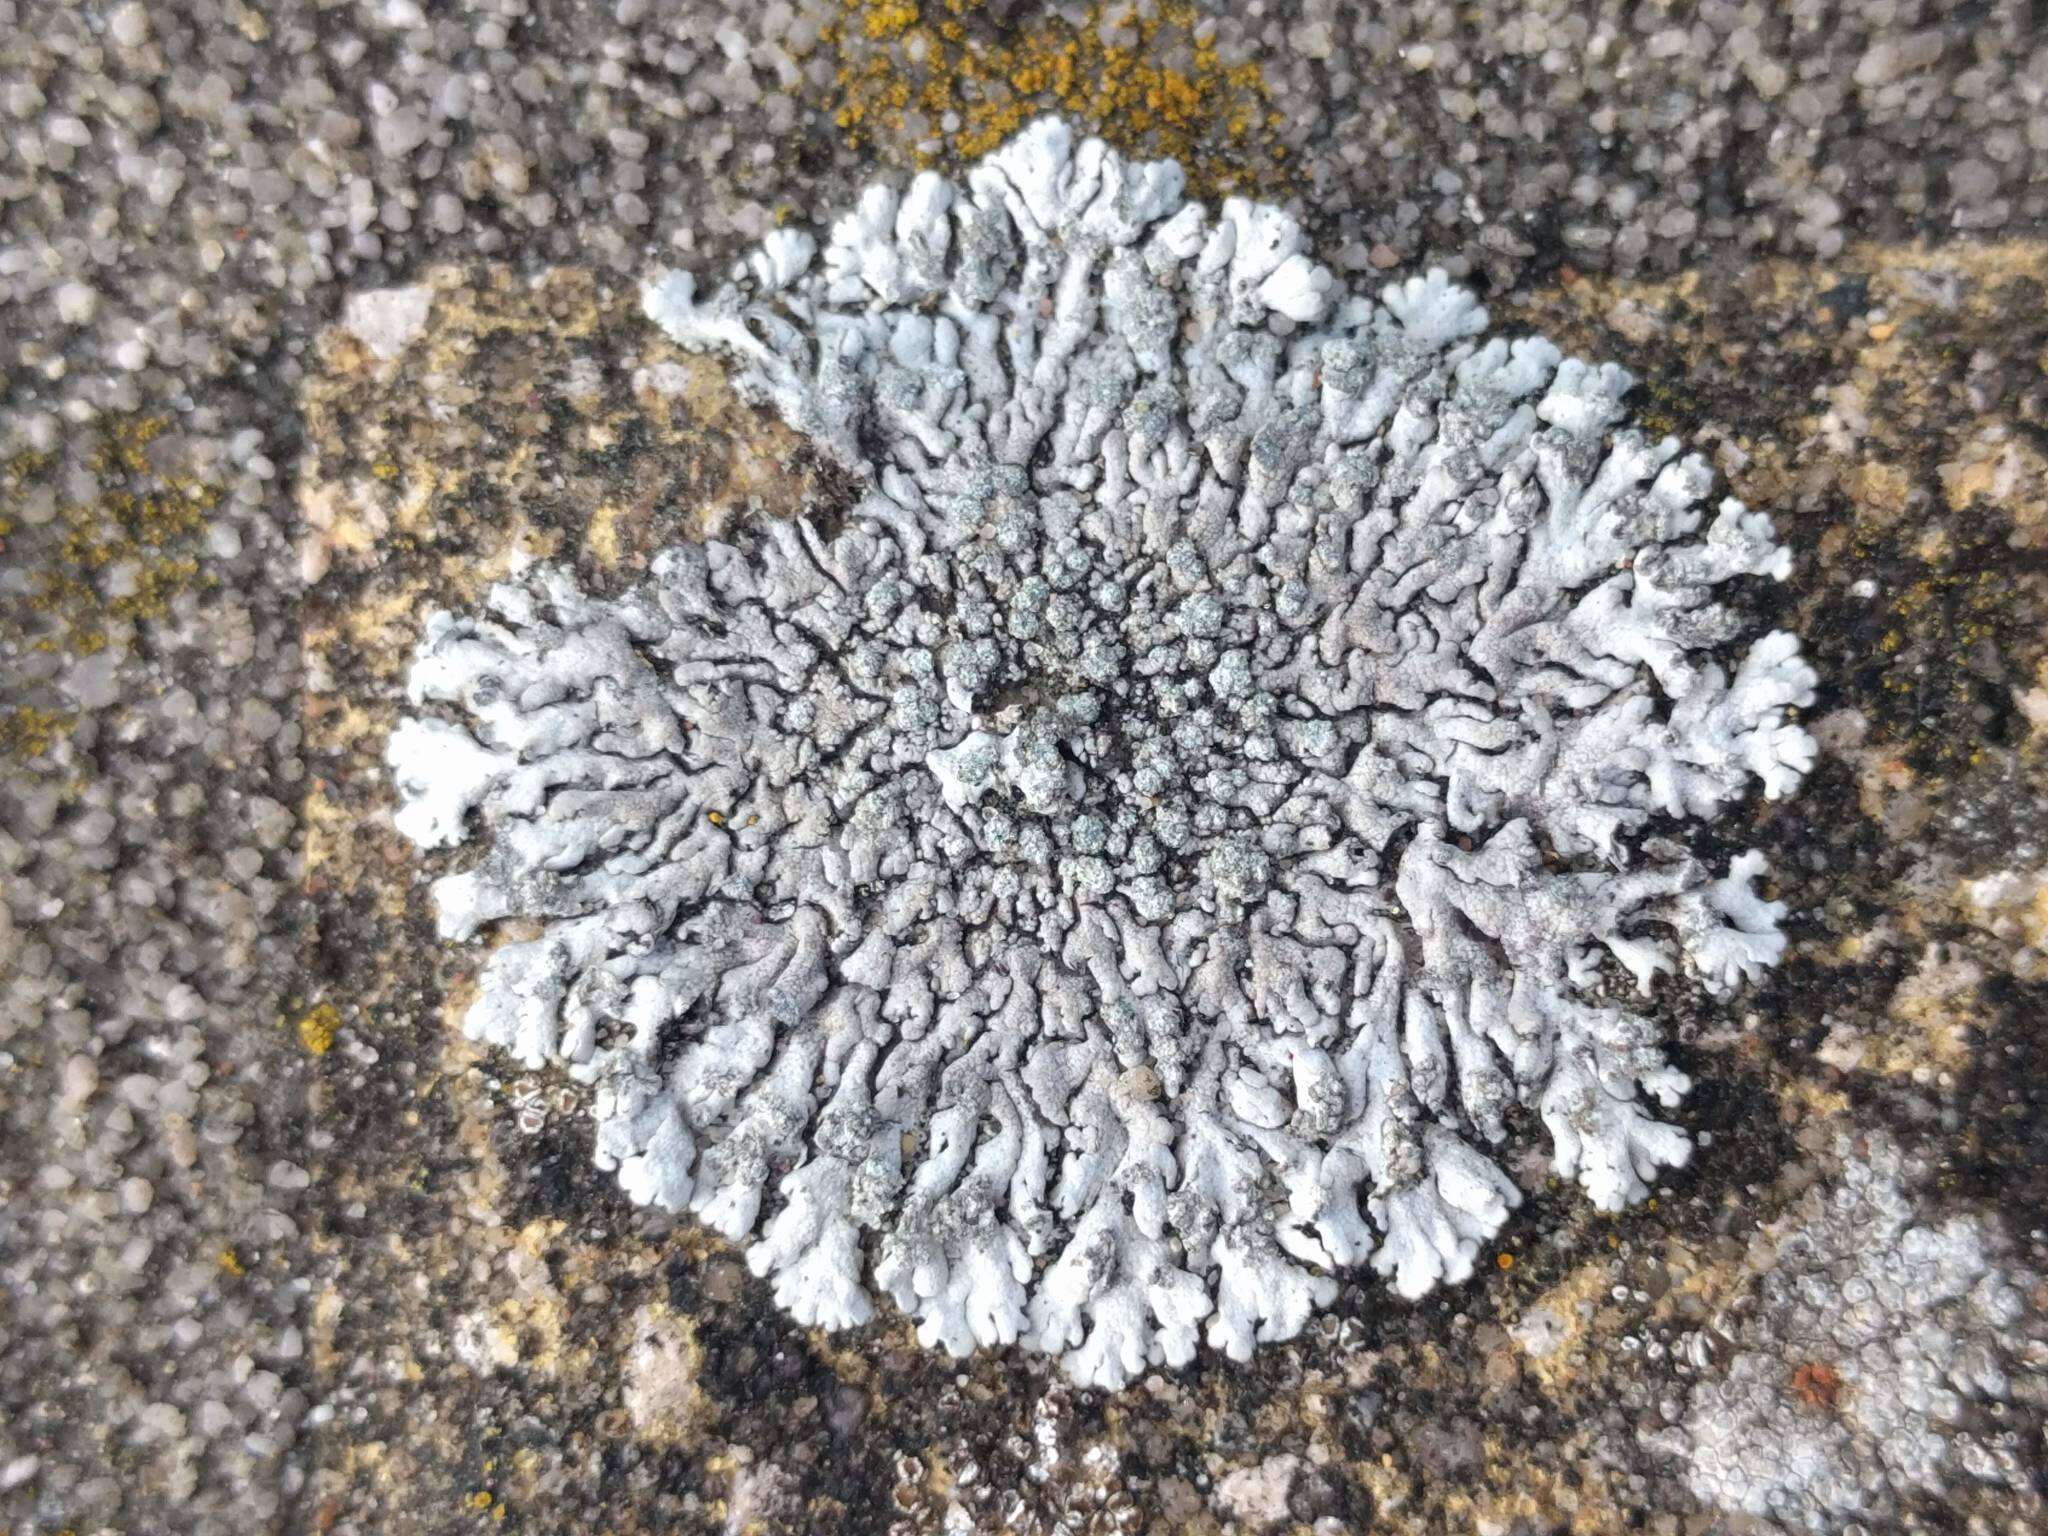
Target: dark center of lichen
<point>1099,724</point>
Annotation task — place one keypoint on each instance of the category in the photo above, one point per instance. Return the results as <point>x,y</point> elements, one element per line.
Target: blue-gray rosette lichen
<point>1236,751</point>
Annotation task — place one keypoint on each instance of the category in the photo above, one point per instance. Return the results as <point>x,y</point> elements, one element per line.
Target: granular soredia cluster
<point>1133,866</point>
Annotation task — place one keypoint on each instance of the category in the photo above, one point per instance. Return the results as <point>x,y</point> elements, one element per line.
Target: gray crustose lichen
<point>1129,870</point>
<point>1888,1354</point>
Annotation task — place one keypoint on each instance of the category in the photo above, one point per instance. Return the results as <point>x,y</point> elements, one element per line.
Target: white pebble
<point>77,303</point>
<point>129,25</point>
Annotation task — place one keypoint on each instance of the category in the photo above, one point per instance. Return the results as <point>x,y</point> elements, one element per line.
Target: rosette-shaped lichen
<point>1231,760</point>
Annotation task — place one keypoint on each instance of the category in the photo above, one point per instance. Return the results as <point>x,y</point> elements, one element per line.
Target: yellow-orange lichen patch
<point>1148,77</point>
<point>27,733</point>
<point>123,550</point>
<point>317,1028</point>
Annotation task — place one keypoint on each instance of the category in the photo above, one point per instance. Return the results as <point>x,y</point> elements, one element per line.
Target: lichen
<point>127,535</point>
<point>27,733</point>
<point>317,1028</point>
<point>1885,1355</point>
<point>955,85</point>
<point>1231,761</point>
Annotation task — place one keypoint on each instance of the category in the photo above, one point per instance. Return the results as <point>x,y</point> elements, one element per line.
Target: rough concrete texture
<point>280,1251</point>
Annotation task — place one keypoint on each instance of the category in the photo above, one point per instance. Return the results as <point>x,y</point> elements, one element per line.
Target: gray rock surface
<point>272,1258</point>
